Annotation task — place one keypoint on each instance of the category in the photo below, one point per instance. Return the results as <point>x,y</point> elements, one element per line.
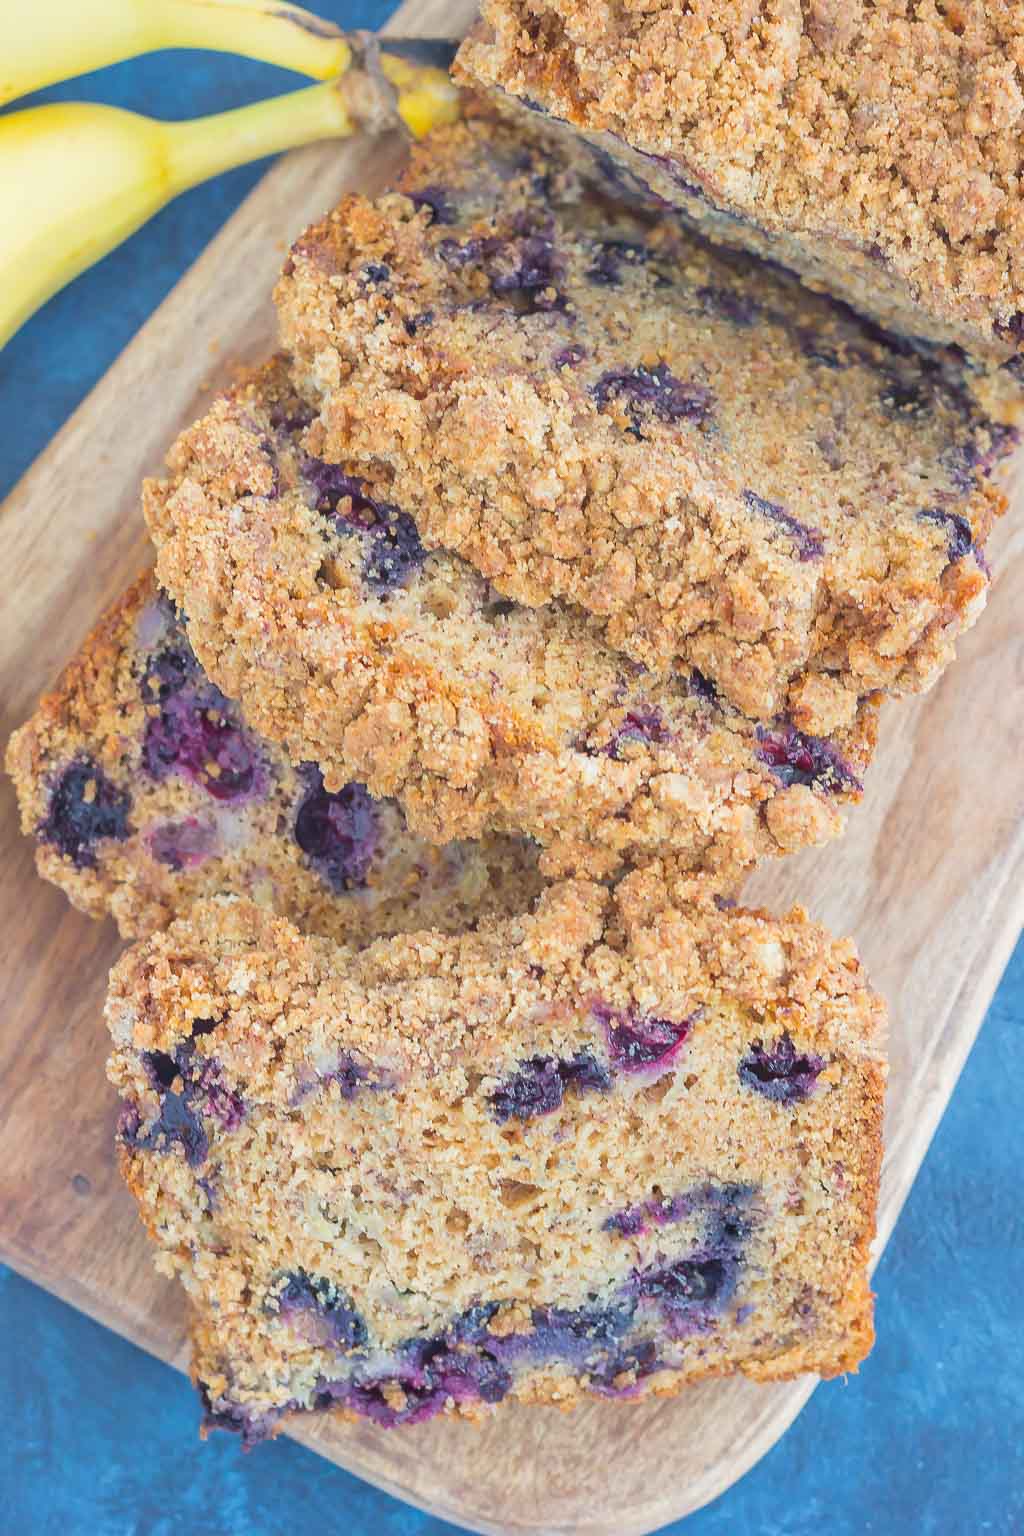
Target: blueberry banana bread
<point>310,598</point>
<point>728,471</point>
<point>874,149</point>
<point>608,1148</point>
<point>145,790</point>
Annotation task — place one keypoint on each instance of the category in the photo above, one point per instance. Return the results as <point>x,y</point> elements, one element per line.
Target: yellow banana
<point>56,39</point>
<point>77,179</point>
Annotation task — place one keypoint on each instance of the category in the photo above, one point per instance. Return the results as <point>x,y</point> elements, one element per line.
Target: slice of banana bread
<point>145,790</point>
<point>609,1148</point>
<point>875,149</point>
<point>310,598</point>
<point>730,472</point>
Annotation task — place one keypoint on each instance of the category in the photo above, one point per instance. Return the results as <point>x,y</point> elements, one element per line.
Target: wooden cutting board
<point>929,879</point>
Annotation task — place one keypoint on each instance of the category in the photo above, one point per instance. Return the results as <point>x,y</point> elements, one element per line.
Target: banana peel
<point>78,178</point>
<point>59,39</point>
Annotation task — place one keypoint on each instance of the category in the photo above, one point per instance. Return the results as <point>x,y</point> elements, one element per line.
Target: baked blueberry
<point>810,544</point>
<point>539,1085</point>
<point>654,392</point>
<point>337,831</point>
<point>779,1071</point>
<point>85,808</point>
<point>797,758</point>
<point>637,1042</point>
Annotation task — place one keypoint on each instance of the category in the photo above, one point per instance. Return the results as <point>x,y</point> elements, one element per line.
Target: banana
<point>57,39</point>
<point>76,179</point>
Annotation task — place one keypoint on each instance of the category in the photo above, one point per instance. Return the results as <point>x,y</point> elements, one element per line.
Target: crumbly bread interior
<point>612,1147</point>
<point>146,790</point>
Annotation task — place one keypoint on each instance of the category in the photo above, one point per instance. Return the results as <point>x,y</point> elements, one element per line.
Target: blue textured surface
<point>100,1440</point>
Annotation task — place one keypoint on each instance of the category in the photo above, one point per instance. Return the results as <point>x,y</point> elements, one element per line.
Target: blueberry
<point>291,419</point>
<point>796,758</point>
<point>350,1076</point>
<point>375,272</point>
<point>169,671</point>
<point>395,553</point>
<point>1013,328</point>
<point>462,1373</point>
<point>654,392</point>
<point>332,485</point>
<point>639,725</point>
<point>959,537</point>
<point>430,1373</point>
<point>179,1122</point>
<point>816,350</point>
<point>161,1068</point>
<point>392,550</point>
<point>176,1125</point>
<point>527,263</point>
<point>638,1361</point>
<point>609,259</point>
<point>629,1223</point>
<point>339,1324</point>
<point>637,1042</point>
<point>906,398</point>
<point>219,1101</point>
<point>183,844</point>
<point>530,265</point>
<point>728,1217</point>
<point>693,1282</point>
<point>780,1072</point>
<point>580,1336</point>
<point>338,832</point>
<point>722,1202</point>
<point>540,1083</point>
<point>729,304</point>
<point>637,1219</point>
<point>84,809</point>
<point>238,1419</point>
<point>576,1335</point>
<point>438,200</point>
<point>479,249</point>
<point>810,545</point>
<point>702,687</point>
<point>196,734</point>
<point>369,1399</point>
<point>417,323</point>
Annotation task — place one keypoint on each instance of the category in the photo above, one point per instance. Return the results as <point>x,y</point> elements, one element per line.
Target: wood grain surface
<point>929,879</point>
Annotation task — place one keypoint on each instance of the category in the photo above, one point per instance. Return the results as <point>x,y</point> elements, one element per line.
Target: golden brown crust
<point>182,842</point>
<point>409,1194</point>
<point>874,148</point>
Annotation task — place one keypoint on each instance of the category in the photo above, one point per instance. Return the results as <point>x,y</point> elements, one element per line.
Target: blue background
<point>99,1439</point>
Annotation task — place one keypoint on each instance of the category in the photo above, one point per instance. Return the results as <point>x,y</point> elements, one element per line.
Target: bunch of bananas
<point>76,179</point>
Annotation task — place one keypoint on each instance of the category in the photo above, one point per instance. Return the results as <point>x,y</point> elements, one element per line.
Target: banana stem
<point>206,146</point>
<point>426,96</point>
<point>270,30</point>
